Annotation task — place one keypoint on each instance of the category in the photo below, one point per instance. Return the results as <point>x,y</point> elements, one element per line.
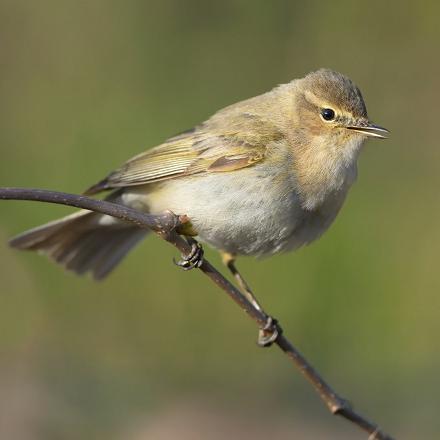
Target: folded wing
<point>215,146</point>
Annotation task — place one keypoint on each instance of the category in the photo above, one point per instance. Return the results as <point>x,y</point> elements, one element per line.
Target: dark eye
<point>328,114</point>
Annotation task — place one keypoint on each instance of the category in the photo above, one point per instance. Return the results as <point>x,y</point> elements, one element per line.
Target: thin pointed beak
<point>371,130</point>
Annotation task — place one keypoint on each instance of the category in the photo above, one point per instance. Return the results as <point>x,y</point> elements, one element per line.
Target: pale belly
<point>239,213</point>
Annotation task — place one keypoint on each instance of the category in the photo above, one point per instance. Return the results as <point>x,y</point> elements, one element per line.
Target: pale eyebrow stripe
<point>319,103</point>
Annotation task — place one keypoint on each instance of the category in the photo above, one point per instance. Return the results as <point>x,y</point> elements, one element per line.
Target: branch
<point>166,225</point>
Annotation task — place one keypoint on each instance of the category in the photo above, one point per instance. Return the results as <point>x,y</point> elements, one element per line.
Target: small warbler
<point>265,175</point>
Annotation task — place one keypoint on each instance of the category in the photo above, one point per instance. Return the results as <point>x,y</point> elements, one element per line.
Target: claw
<point>193,259</point>
<point>269,333</point>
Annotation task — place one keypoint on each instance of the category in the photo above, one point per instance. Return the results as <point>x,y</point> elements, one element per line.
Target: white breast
<point>252,211</point>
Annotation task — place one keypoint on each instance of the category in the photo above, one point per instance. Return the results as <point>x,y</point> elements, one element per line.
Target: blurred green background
<point>153,352</point>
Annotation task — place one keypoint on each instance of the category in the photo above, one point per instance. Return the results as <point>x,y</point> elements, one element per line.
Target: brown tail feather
<point>81,244</point>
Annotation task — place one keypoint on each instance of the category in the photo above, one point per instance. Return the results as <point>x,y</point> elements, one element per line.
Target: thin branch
<point>166,226</point>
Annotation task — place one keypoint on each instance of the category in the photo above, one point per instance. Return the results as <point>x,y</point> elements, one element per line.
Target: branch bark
<point>166,225</point>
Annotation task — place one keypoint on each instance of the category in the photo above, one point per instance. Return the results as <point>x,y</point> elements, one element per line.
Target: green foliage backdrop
<point>84,85</point>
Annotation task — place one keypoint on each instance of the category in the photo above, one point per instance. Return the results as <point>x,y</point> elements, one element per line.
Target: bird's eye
<point>328,114</point>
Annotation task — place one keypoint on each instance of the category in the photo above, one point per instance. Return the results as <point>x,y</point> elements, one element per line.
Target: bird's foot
<point>269,333</point>
<point>193,259</point>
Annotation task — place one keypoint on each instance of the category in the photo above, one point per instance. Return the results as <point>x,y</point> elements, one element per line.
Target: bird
<point>262,176</point>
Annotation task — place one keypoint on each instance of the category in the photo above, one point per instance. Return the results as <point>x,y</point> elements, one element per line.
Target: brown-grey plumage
<point>265,175</point>
<point>81,243</point>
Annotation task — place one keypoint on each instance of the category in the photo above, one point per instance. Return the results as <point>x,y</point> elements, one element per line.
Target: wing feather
<point>205,149</point>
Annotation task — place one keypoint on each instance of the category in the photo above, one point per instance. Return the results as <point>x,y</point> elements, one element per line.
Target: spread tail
<point>82,242</point>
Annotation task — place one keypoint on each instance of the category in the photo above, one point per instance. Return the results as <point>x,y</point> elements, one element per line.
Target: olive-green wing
<point>206,149</point>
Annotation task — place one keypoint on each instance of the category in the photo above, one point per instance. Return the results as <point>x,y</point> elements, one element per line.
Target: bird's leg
<point>270,331</point>
<point>194,258</point>
<point>229,261</point>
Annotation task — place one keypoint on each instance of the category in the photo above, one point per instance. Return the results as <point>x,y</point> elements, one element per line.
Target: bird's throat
<point>322,170</point>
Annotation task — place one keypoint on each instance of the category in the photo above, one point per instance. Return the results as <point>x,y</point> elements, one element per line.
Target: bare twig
<point>165,225</point>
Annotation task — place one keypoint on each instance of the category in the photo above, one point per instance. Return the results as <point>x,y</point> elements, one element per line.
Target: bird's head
<point>331,112</point>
